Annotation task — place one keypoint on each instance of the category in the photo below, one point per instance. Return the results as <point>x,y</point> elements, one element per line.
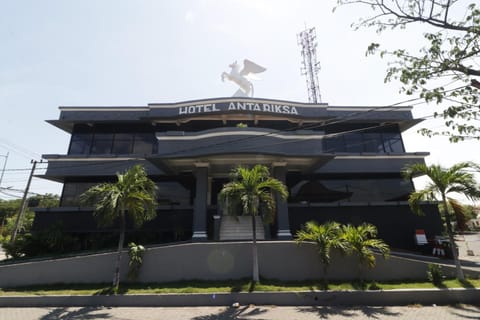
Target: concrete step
<point>240,228</point>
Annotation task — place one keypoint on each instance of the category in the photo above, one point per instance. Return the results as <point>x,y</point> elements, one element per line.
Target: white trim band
<point>238,133</point>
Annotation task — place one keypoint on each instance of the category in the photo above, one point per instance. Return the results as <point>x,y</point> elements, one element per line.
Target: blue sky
<point>131,53</point>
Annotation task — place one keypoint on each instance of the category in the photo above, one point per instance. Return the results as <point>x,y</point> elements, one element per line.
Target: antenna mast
<point>310,67</point>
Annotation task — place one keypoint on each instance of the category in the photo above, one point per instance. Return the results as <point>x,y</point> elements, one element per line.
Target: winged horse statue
<point>242,78</point>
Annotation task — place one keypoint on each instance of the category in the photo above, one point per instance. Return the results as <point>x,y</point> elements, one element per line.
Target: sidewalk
<point>3,256</point>
<point>246,312</point>
<point>469,247</point>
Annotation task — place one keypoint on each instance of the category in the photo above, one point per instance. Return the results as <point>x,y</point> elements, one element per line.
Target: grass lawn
<point>227,286</point>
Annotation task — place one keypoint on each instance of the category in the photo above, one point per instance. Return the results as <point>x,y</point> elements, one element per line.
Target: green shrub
<point>435,274</point>
<point>50,241</point>
<point>374,286</point>
<point>136,259</point>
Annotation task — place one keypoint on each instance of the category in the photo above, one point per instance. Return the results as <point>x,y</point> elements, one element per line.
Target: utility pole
<point>23,205</point>
<point>4,166</point>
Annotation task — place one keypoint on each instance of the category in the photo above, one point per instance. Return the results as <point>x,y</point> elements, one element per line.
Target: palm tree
<point>443,182</point>
<point>326,236</point>
<point>253,189</point>
<point>133,194</point>
<point>360,241</point>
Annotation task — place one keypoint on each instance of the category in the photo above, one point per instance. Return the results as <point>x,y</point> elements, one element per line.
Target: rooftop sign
<point>228,106</point>
<point>238,106</point>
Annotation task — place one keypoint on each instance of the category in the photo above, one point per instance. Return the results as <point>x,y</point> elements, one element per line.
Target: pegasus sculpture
<point>242,78</point>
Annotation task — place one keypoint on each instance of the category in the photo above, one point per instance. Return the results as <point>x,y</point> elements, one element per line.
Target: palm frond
<point>418,197</point>
<point>361,240</point>
<point>253,189</point>
<point>459,212</point>
<point>325,236</point>
<point>133,191</point>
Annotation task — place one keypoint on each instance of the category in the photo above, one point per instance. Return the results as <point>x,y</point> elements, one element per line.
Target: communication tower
<point>310,67</point>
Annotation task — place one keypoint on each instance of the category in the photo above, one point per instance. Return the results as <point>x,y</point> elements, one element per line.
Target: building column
<point>283,232</point>
<point>200,203</point>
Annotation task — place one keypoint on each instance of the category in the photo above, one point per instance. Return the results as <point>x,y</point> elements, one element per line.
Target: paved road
<point>469,244</point>
<point>245,312</point>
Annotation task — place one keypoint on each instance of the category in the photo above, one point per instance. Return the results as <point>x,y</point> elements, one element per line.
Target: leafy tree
<point>469,212</point>
<point>16,249</point>
<point>133,194</point>
<point>446,67</point>
<point>443,182</point>
<point>253,189</point>
<point>8,208</point>
<point>326,237</point>
<point>360,241</point>
<point>47,200</point>
<point>8,214</point>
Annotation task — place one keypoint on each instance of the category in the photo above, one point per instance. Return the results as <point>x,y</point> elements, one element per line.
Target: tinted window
<point>172,193</point>
<point>364,142</point>
<point>354,190</point>
<point>334,144</point>
<point>102,143</point>
<point>373,142</point>
<point>80,143</point>
<point>393,142</point>
<point>353,142</point>
<point>144,143</point>
<point>122,143</point>
<point>72,192</point>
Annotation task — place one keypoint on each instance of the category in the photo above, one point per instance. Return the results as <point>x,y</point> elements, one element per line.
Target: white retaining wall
<point>283,260</point>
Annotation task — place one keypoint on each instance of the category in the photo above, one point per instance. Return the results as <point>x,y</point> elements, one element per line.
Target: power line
<point>326,136</point>
<point>19,150</point>
<point>10,195</point>
<point>20,169</point>
<point>118,163</point>
<point>325,123</point>
<point>20,191</point>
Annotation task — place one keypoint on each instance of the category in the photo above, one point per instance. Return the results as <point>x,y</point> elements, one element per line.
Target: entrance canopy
<point>221,165</point>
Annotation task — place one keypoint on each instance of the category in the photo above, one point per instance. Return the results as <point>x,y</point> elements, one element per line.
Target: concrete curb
<point>306,298</point>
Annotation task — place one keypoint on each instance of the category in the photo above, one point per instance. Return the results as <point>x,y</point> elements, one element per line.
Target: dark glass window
<point>373,142</point>
<point>369,141</point>
<point>353,142</point>
<point>334,144</point>
<point>80,143</point>
<point>122,143</point>
<point>144,143</point>
<point>72,192</point>
<point>172,193</point>
<point>393,142</point>
<point>351,190</point>
<point>102,143</point>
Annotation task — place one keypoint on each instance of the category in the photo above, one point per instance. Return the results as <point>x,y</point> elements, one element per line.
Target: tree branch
<point>404,17</point>
<point>475,83</point>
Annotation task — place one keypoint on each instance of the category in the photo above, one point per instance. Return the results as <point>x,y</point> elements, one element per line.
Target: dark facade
<point>339,163</point>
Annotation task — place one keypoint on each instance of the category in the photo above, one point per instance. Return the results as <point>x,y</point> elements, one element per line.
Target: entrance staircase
<point>240,228</point>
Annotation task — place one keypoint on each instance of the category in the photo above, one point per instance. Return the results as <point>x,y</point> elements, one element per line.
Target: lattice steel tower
<point>310,67</point>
